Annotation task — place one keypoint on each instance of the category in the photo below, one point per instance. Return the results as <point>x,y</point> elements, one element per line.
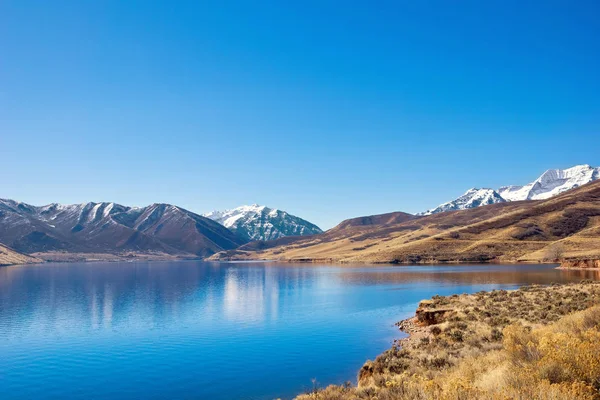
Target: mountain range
<point>110,228</point>
<point>256,222</point>
<point>509,231</point>
<point>517,223</point>
<point>549,184</point>
<point>157,230</point>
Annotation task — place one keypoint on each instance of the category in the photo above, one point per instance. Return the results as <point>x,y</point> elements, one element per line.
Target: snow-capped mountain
<point>111,227</point>
<point>551,183</point>
<point>262,223</point>
<point>471,199</point>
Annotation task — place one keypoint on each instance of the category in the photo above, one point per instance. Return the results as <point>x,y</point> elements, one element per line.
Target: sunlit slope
<point>9,257</point>
<point>515,231</point>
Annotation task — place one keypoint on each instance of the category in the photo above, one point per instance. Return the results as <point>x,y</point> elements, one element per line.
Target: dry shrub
<point>554,252</point>
<point>560,361</point>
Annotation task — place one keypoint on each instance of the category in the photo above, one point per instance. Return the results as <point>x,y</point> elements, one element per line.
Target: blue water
<point>195,330</point>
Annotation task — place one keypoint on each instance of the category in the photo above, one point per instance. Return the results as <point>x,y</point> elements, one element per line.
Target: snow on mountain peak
<point>472,198</point>
<point>256,222</point>
<point>549,184</point>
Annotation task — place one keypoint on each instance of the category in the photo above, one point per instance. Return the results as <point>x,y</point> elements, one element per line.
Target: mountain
<point>262,223</point>
<point>111,228</point>
<point>471,199</point>
<point>508,231</point>
<point>551,183</point>
<point>353,226</point>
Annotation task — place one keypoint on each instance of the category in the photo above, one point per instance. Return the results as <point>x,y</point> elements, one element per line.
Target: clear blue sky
<point>328,110</point>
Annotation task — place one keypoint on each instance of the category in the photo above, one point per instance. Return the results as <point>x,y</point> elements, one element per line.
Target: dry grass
<point>532,343</point>
<point>9,257</point>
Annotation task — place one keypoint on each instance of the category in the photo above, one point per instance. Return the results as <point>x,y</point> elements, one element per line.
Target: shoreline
<point>592,264</point>
<point>110,258</point>
<point>416,328</point>
<point>374,262</point>
<point>66,258</point>
<point>450,333</point>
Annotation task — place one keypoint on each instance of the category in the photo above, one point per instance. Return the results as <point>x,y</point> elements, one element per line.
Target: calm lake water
<point>195,330</point>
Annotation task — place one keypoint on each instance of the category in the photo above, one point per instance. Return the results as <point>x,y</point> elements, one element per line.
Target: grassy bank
<point>532,343</point>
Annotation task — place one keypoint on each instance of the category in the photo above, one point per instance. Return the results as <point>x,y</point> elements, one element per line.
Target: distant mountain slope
<point>345,232</point>
<point>508,231</point>
<point>110,227</point>
<point>551,183</point>
<point>471,199</point>
<point>370,221</point>
<point>353,226</point>
<point>10,257</point>
<point>263,223</point>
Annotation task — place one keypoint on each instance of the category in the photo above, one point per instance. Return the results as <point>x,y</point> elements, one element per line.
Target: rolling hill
<point>509,231</point>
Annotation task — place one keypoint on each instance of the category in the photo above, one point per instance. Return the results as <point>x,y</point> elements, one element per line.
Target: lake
<point>197,330</point>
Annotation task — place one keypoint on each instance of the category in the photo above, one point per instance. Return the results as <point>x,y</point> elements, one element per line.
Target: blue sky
<point>328,110</point>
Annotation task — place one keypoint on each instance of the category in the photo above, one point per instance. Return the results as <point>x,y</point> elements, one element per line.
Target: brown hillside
<point>373,220</point>
<point>9,257</point>
<point>567,225</point>
<point>348,227</point>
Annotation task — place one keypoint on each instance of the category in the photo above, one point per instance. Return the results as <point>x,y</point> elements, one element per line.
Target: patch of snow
<point>107,209</point>
<point>552,183</point>
<point>471,199</point>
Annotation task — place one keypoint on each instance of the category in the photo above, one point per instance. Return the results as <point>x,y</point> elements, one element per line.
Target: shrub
<point>554,252</point>
<point>496,335</point>
<point>457,336</point>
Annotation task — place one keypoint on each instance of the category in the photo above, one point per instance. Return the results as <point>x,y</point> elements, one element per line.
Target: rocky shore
<point>581,264</point>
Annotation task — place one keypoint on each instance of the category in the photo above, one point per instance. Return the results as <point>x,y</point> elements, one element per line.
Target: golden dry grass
<point>533,343</point>
<point>9,257</point>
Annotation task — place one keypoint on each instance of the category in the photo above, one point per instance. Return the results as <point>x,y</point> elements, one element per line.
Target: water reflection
<point>249,294</point>
<point>521,274</point>
<point>53,298</point>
